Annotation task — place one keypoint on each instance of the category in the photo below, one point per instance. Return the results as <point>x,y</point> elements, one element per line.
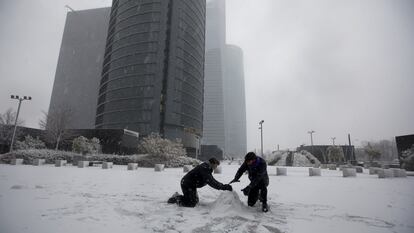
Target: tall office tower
<point>213,122</point>
<point>79,66</point>
<point>152,77</point>
<point>234,102</point>
<point>224,97</point>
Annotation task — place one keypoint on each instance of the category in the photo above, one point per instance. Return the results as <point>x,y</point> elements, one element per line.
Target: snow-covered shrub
<point>52,155</point>
<point>84,146</point>
<point>30,143</point>
<point>335,154</point>
<point>300,159</point>
<point>156,146</point>
<point>273,158</point>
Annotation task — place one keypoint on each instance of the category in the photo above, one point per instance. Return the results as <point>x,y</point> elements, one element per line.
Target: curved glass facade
<point>152,77</point>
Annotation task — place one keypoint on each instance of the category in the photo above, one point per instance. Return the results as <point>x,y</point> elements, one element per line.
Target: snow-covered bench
<point>385,173</point>
<point>107,165</point>
<point>349,172</point>
<point>16,161</point>
<point>314,171</point>
<point>132,166</point>
<point>60,163</point>
<point>159,167</point>
<point>281,171</point>
<point>39,162</point>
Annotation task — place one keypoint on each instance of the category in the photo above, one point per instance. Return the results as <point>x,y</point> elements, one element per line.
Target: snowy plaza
<point>70,199</point>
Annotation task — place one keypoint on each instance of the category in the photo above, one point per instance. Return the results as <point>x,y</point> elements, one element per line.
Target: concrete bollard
<point>159,167</point>
<point>187,168</point>
<point>314,171</point>
<point>281,171</point>
<point>218,170</point>
<point>82,164</point>
<point>107,165</point>
<point>38,162</point>
<point>374,170</point>
<point>359,169</point>
<point>385,173</point>
<point>132,166</point>
<point>349,172</point>
<point>16,162</point>
<point>60,163</point>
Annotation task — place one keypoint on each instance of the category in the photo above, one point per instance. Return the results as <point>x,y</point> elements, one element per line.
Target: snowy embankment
<point>69,199</point>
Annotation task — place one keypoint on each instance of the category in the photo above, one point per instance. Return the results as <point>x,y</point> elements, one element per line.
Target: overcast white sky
<point>336,67</point>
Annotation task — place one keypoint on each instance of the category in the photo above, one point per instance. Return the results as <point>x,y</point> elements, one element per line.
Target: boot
<point>265,207</point>
<point>173,199</point>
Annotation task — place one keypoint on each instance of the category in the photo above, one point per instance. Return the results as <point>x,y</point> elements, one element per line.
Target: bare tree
<point>7,120</point>
<point>9,117</point>
<point>56,123</point>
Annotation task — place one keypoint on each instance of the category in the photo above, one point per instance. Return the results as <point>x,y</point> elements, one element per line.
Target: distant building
<point>152,78</point>
<point>224,122</point>
<point>234,103</point>
<point>79,66</point>
<point>404,142</point>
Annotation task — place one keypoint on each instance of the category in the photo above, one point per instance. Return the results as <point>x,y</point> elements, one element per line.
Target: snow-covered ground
<point>70,199</point>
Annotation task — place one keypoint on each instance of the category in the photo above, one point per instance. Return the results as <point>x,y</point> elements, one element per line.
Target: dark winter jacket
<point>257,172</point>
<point>200,176</point>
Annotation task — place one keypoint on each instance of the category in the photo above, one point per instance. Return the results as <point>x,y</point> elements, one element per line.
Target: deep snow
<point>70,199</point>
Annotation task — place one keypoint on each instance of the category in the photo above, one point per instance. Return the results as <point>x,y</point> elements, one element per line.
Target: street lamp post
<point>261,136</point>
<point>333,140</point>
<point>311,132</point>
<point>17,115</point>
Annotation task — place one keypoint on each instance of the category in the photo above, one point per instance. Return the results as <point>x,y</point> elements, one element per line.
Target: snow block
<point>60,163</point>
<point>385,173</point>
<point>281,171</point>
<point>218,170</point>
<point>82,164</point>
<point>159,167</point>
<point>107,165</point>
<point>38,162</point>
<point>16,162</point>
<point>374,170</point>
<point>359,169</point>
<point>314,171</point>
<point>132,166</point>
<point>187,168</point>
<point>349,172</point>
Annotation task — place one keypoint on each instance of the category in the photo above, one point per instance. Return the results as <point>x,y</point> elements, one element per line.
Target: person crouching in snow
<point>259,179</point>
<point>197,178</point>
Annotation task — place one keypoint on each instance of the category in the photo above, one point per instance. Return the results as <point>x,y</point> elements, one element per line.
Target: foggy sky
<point>336,67</point>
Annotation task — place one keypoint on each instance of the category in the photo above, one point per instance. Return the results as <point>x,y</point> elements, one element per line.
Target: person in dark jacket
<point>259,179</point>
<point>197,178</point>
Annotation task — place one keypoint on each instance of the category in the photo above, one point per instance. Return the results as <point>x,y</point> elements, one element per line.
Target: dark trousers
<point>189,197</point>
<point>260,191</point>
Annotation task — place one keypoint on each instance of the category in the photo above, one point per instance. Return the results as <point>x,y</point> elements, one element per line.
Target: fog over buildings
<point>336,67</point>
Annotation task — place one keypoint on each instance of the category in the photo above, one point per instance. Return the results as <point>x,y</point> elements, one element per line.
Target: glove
<point>227,187</point>
<point>234,181</point>
<point>246,190</point>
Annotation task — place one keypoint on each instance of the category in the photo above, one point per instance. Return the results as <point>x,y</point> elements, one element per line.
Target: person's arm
<point>214,183</point>
<point>240,172</point>
<point>261,174</point>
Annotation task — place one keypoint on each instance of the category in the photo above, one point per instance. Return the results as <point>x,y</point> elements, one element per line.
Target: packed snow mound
<point>228,202</point>
<point>300,159</point>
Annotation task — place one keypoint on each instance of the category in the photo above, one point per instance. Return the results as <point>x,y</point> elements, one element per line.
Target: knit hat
<point>250,156</point>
